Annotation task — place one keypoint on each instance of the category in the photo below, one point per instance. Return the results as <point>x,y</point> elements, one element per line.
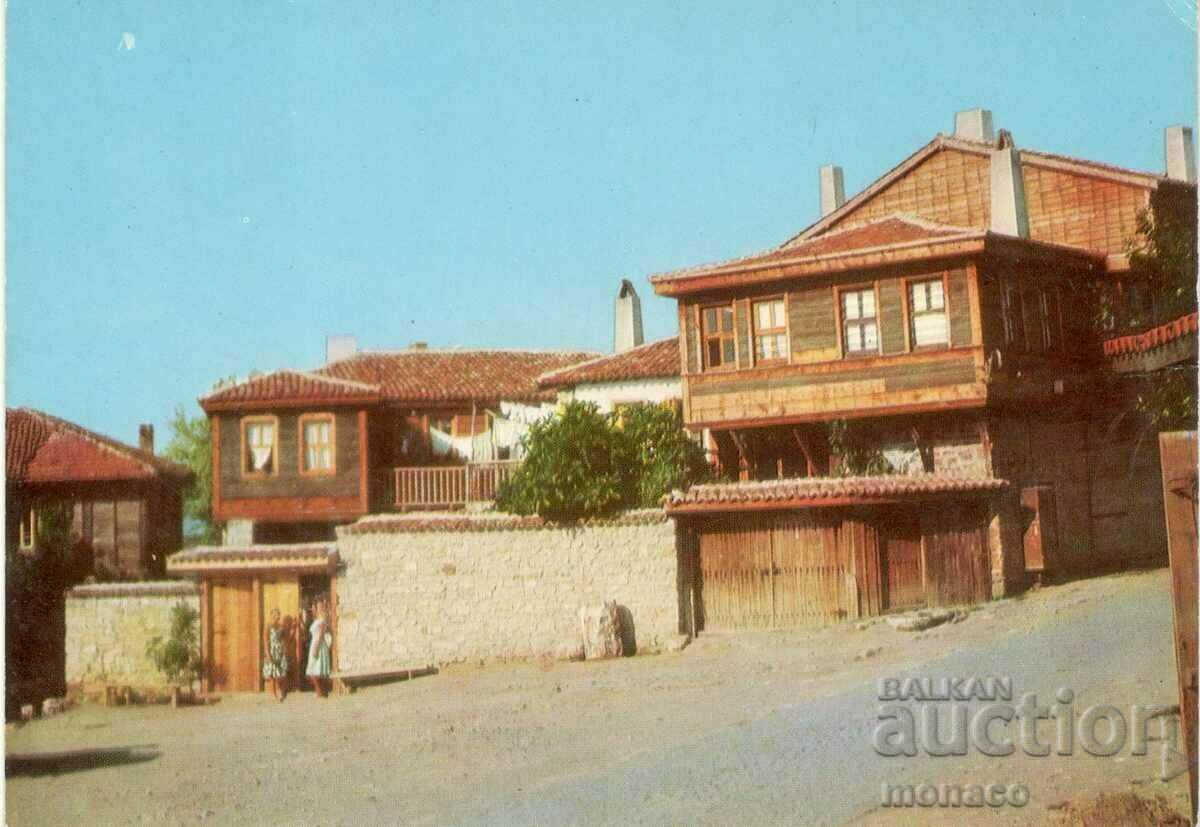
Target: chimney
<point>1181,154</point>
<point>627,324</point>
<point>833,191</point>
<point>974,125</point>
<point>339,347</point>
<point>419,346</point>
<point>1009,215</point>
<point>146,437</point>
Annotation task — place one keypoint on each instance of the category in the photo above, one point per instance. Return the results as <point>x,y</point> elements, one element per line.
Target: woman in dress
<point>319,665</point>
<point>275,665</point>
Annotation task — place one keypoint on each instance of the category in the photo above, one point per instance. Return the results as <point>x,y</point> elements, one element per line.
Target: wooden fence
<point>449,486</point>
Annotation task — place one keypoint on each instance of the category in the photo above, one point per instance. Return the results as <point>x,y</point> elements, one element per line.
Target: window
<point>860,332</point>
<point>316,444</point>
<point>1048,321</point>
<point>28,529</point>
<point>716,327</point>
<point>259,437</point>
<point>770,331</point>
<point>1010,313</point>
<point>927,313</point>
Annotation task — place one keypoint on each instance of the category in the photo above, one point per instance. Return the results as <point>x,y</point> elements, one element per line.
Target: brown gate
<point>234,637</point>
<point>769,571</point>
<point>1179,456</point>
<point>900,544</point>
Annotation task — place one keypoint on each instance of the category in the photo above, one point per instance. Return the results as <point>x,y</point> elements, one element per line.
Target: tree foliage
<point>177,655</point>
<point>856,455</point>
<point>582,463</point>
<point>1163,255</point>
<point>191,445</point>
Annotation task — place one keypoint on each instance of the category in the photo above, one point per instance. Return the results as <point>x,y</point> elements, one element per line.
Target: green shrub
<point>667,458</point>
<point>178,655</point>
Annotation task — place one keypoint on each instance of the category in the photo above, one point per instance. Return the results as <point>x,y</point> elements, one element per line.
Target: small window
<point>859,328</point>
<point>28,529</point>
<point>770,331</point>
<point>1010,313</point>
<point>927,312</point>
<point>259,448</point>
<point>717,331</point>
<point>316,444</point>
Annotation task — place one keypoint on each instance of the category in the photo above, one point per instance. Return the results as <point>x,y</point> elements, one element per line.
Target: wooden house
<point>125,504</point>
<point>944,317</point>
<point>296,453</point>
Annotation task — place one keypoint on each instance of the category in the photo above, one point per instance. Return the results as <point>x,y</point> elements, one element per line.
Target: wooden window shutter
<point>958,305</point>
<point>741,326</point>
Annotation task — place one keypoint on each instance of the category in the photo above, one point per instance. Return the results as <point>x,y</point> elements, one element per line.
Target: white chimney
<point>974,125</point>
<point>833,191</point>
<point>1009,213</point>
<point>627,326</point>
<point>1181,154</point>
<point>338,348</point>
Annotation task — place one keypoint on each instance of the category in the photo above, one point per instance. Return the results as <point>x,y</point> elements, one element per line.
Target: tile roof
<point>145,588</point>
<point>290,555</point>
<point>458,522</point>
<point>41,448</point>
<point>456,375</point>
<point>292,385</point>
<point>653,360</point>
<point>1152,338</point>
<point>824,491</point>
<point>896,230</point>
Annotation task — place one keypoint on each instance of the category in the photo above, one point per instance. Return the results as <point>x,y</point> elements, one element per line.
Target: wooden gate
<point>234,656</point>
<point>1040,541</point>
<point>770,571</point>
<point>1179,455</point>
<point>283,593</point>
<point>900,547</point>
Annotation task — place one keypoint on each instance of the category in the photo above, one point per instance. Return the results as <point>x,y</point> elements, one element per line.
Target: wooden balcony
<point>448,486</point>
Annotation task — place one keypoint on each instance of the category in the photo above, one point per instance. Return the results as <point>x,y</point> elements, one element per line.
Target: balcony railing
<point>449,486</point>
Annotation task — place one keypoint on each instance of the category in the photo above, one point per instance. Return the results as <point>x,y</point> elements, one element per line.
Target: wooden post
<point>809,465</point>
<point>257,623</point>
<point>205,634</point>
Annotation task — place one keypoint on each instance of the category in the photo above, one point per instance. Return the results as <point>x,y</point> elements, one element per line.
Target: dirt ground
<point>446,748</point>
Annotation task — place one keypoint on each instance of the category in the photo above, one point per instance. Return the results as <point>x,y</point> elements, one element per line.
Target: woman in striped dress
<point>319,662</point>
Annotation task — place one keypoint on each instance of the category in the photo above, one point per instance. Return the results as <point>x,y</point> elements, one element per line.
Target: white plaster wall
<point>606,395</point>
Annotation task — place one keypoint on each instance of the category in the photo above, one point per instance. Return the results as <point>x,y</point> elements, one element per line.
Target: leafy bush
<point>178,655</point>
<point>667,458</point>
<point>583,464</point>
<point>577,465</point>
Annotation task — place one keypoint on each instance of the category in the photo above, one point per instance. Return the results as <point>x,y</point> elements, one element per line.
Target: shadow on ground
<point>55,763</point>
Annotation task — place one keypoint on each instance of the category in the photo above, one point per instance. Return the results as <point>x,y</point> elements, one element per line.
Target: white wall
<point>608,394</point>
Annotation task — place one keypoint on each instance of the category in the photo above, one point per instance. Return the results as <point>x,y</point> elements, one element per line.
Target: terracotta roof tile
<point>653,360</point>
<point>891,231</point>
<point>1152,338</point>
<point>795,493</point>
<point>45,449</point>
<point>456,375</point>
<point>495,521</point>
<point>291,385</point>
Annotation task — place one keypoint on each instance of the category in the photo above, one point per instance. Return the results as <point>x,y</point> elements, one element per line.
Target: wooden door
<point>235,637</point>
<point>900,550</point>
<point>1040,542</point>
<point>1178,455</point>
<point>283,593</point>
<point>735,575</point>
<point>809,581</point>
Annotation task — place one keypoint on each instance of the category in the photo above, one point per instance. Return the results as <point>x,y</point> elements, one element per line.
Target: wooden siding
<point>953,186</point>
<point>958,308</point>
<point>288,482</point>
<point>813,320</point>
<point>852,386</point>
<point>890,313</point>
<point>741,327</point>
<point>691,337</point>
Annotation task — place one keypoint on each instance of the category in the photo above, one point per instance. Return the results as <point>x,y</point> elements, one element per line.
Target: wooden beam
<point>802,441</point>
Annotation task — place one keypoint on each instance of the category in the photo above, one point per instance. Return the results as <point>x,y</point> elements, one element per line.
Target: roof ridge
<point>459,349</point>
<point>305,374</point>
<point>602,357</point>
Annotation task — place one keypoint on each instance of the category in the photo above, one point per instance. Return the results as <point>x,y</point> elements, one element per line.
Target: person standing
<point>275,665</point>
<point>319,661</point>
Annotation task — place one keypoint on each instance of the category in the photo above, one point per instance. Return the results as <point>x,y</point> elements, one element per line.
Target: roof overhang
<point>971,244</point>
<point>285,403</point>
<point>308,558</point>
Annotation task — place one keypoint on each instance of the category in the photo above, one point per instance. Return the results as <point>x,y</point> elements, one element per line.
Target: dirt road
<point>752,728</point>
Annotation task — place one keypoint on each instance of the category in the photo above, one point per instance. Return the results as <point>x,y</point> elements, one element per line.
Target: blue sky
<point>245,181</point>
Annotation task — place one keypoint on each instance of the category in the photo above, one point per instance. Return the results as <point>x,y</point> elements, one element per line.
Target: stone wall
<point>426,590</point>
<point>109,626</point>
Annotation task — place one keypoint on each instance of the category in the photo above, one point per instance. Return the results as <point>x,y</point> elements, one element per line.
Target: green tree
<point>191,445</point>
<point>577,465</point>
<point>177,656</point>
<point>667,458</point>
<point>1163,255</point>
<point>856,455</point>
